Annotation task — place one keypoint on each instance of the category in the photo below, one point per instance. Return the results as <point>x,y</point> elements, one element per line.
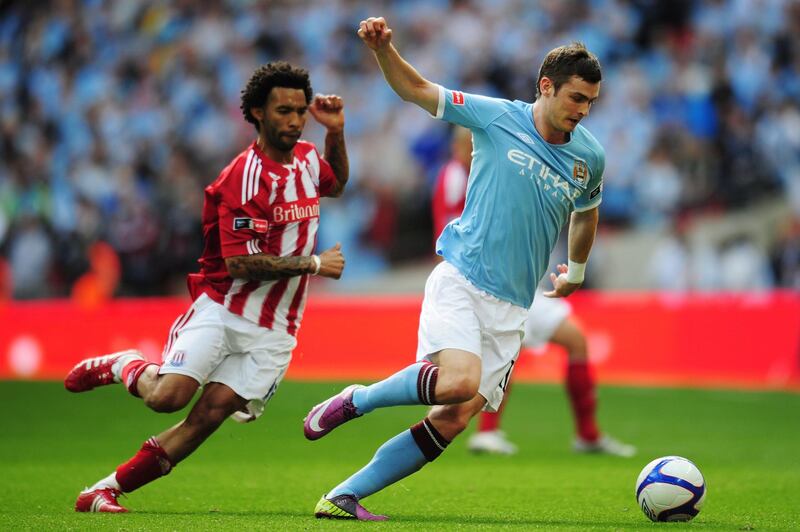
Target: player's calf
<point>454,387</point>
<point>452,420</point>
<point>170,393</point>
<point>458,376</point>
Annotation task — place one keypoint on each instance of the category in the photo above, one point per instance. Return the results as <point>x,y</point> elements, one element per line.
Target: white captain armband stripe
<point>440,106</point>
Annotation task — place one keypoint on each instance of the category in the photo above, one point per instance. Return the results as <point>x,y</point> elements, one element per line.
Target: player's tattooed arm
<point>261,267</point>
<point>268,267</point>
<point>336,155</point>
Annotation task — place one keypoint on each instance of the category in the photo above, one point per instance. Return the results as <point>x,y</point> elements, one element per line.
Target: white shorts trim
<point>457,315</point>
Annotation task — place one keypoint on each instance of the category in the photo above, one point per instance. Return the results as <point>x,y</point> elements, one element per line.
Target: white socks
<point>109,482</point>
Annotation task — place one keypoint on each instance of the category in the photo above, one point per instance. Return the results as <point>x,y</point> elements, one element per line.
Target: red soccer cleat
<point>90,373</point>
<point>100,500</point>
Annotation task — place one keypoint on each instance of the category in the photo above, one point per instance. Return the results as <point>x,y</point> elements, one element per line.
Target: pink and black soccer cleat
<point>329,414</point>
<point>100,500</point>
<point>344,507</point>
<point>90,373</point>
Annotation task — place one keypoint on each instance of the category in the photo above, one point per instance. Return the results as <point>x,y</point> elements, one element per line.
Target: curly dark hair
<point>566,61</point>
<point>277,74</point>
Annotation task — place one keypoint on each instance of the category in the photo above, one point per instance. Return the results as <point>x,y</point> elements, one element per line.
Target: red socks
<point>148,464</point>
<point>131,373</point>
<point>488,421</point>
<point>582,397</point>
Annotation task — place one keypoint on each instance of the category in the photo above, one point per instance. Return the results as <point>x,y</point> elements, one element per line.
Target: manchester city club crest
<point>580,171</point>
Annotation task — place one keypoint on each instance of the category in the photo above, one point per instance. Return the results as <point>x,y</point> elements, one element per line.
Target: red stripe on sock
<point>148,464</point>
<point>583,399</point>
<point>131,373</point>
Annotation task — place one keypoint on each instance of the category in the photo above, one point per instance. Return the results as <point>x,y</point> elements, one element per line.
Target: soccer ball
<point>670,488</point>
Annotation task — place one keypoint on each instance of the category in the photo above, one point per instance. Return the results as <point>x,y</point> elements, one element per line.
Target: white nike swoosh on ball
<point>314,422</point>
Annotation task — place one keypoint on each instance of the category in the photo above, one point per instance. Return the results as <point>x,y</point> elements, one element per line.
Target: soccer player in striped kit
<point>260,222</point>
<point>534,168</point>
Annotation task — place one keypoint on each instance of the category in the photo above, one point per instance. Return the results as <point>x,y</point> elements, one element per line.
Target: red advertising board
<point>730,340</point>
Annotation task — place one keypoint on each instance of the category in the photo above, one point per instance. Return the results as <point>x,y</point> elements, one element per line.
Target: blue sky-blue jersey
<point>520,193</point>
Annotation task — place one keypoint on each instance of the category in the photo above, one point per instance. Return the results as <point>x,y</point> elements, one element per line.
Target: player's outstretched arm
<point>582,228</point>
<point>260,267</point>
<point>400,75</point>
<point>328,110</point>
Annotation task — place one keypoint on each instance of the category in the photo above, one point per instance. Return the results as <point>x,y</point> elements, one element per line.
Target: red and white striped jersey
<point>449,195</point>
<point>257,205</point>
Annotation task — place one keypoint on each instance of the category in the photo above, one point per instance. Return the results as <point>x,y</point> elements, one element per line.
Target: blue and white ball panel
<point>670,488</point>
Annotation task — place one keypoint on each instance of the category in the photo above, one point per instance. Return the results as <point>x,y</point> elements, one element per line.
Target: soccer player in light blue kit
<point>533,168</point>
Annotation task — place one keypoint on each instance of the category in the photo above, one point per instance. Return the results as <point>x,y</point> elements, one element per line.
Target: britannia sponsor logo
<point>294,212</point>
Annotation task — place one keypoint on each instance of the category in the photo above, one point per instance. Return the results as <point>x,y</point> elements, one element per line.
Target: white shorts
<point>211,344</point>
<point>544,317</point>
<point>457,315</point>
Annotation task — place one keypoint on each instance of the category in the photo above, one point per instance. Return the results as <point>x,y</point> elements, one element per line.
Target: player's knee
<point>449,422</point>
<point>577,348</point>
<point>463,387</point>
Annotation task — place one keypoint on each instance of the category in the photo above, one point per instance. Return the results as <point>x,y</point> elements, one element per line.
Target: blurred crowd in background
<point>115,115</point>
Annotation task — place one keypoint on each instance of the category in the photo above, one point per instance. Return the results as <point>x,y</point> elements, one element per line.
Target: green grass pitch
<point>266,476</point>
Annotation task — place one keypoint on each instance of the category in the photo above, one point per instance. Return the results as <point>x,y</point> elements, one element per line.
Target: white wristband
<point>317,264</point>
<point>575,272</point>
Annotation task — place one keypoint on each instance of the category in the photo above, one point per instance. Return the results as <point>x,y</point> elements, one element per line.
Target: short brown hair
<point>566,61</point>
